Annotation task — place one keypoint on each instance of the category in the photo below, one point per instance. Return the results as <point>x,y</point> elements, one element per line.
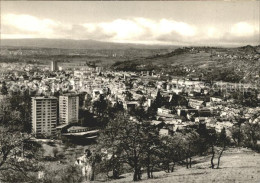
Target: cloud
<point>122,29</point>
<point>132,30</point>
<point>29,23</point>
<point>244,29</point>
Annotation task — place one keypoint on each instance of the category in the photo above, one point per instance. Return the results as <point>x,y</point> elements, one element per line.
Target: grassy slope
<point>236,166</point>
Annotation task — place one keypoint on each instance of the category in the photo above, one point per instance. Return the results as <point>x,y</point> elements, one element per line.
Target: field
<point>237,165</point>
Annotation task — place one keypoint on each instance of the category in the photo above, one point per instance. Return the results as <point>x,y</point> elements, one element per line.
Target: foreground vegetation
<point>127,143</point>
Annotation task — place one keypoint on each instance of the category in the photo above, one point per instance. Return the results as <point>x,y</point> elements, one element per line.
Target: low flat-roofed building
<point>76,129</point>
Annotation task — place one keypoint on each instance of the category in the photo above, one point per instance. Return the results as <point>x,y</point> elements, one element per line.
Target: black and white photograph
<point>130,91</point>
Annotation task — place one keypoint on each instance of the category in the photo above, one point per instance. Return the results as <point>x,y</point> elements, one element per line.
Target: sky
<point>154,22</point>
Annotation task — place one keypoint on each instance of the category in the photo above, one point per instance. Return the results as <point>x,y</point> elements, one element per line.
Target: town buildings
<point>189,101</point>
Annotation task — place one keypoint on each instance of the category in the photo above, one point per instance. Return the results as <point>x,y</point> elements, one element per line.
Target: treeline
<point>136,144</point>
<point>133,145</point>
<point>227,74</point>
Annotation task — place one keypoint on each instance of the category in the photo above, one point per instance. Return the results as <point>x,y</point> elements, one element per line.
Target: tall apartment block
<point>54,65</point>
<point>44,115</point>
<point>68,109</point>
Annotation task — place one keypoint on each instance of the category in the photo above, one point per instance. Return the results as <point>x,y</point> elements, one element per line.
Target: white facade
<point>164,111</point>
<point>44,115</point>
<point>68,109</point>
<point>163,132</point>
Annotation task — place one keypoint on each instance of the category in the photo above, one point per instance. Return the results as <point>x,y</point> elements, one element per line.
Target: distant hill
<point>218,63</point>
<point>75,44</point>
<point>192,56</point>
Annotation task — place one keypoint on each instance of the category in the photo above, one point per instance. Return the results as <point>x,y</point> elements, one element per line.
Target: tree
<point>18,154</point>
<point>109,142</point>
<point>4,90</point>
<point>223,142</point>
<point>101,108</point>
<point>132,144</point>
<point>190,141</point>
<point>87,101</point>
<point>95,158</point>
<point>237,134</point>
<point>212,139</point>
<point>112,162</point>
<point>128,96</point>
<point>66,174</point>
<point>125,138</point>
<point>252,131</point>
<point>181,146</point>
<point>16,161</point>
<point>171,150</point>
<point>248,99</point>
<point>142,100</point>
<point>71,174</point>
<point>182,101</point>
<point>159,100</point>
<point>151,146</point>
<point>152,111</point>
<point>203,138</point>
<point>100,105</point>
<point>139,113</point>
<point>21,103</point>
